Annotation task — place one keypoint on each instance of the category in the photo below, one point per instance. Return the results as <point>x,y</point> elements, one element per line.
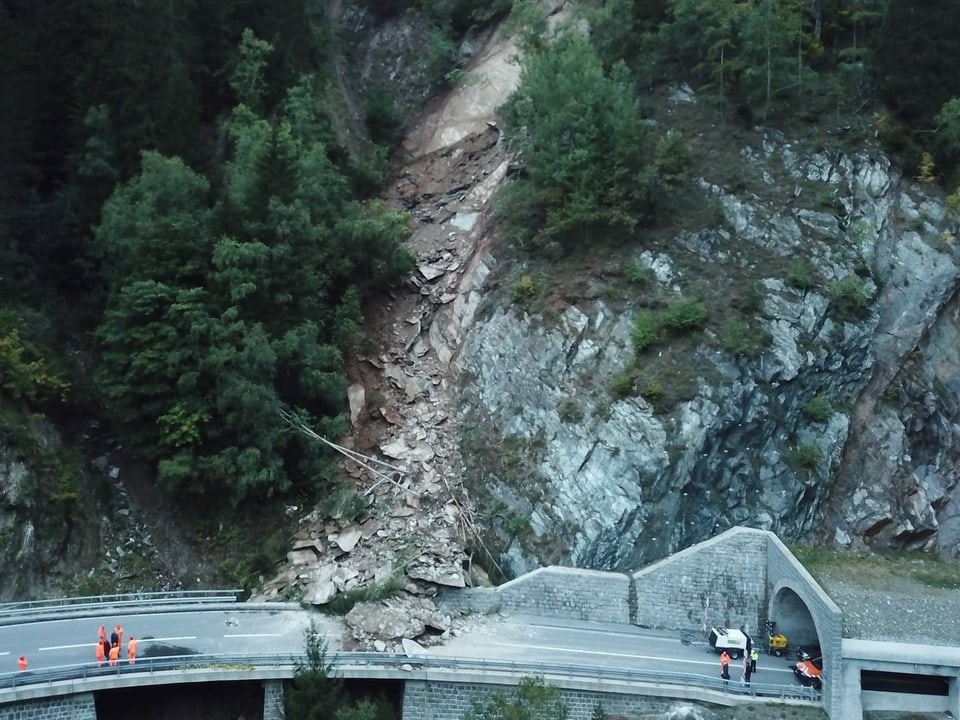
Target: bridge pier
<point>272,700</point>
<point>852,694</point>
<point>954,697</point>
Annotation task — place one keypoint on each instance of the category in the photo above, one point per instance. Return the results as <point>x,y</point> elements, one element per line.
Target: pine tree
<point>584,145</point>
<point>315,693</point>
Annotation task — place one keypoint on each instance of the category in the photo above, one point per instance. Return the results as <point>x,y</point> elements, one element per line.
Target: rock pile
<point>409,526</point>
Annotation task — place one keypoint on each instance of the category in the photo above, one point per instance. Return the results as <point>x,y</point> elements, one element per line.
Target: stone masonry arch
<point>792,615</point>
<point>804,612</point>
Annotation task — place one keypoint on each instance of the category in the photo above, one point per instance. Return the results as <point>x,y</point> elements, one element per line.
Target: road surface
<point>58,641</point>
<point>597,644</point>
<point>67,641</point>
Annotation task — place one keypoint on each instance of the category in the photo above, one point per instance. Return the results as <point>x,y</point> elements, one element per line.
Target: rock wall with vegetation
<point>751,341</point>
<point>745,371</point>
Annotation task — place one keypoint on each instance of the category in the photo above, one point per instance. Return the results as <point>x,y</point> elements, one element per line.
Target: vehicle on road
<point>733,641</point>
<point>805,652</point>
<point>810,672</point>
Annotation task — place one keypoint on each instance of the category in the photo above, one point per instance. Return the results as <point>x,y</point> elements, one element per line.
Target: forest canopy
<point>225,307</point>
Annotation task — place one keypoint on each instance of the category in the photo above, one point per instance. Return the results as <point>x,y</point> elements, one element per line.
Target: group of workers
<point>109,648</point>
<point>749,665</point>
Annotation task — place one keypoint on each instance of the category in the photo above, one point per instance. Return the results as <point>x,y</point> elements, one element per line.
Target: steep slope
<point>819,400</point>
<point>419,524</point>
<point>839,429</point>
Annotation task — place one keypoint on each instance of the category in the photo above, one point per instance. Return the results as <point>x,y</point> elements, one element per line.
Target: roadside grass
<point>876,569</point>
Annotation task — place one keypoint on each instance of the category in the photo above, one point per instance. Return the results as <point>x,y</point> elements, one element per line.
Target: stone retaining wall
<point>429,700</point>
<point>560,592</point>
<point>722,580</point>
<point>68,707</point>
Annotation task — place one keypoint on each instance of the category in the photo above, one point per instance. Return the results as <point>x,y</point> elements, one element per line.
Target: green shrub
<point>25,372</point>
<point>849,299</point>
<point>807,456</point>
<point>653,393</point>
<point>666,385</point>
<point>439,57</point>
<point>953,202</point>
<point>890,394</point>
<point>743,338</point>
<point>382,118</point>
<point>802,276</point>
<point>671,157</point>
<point>685,315</point>
<point>948,131</point>
<point>524,289</point>
<point>344,602</point>
<point>818,409</point>
<point>637,274</point>
<point>622,385</point>
<point>646,331</point>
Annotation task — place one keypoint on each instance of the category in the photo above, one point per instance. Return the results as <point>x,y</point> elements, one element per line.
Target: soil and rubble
<point>410,525</point>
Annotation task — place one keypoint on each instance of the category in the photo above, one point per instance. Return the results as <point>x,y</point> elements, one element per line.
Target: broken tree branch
<point>364,461</point>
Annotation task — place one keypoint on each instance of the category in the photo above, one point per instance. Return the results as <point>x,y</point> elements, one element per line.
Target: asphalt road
<point>68,641</point>
<point>601,645</point>
<point>63,641</point>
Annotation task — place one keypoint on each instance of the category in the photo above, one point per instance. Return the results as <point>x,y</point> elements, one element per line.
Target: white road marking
<point>5,653</point>
<point>627,634</point>
<point>92,644</point>
<point>252,635</point>
<point>623,655</point>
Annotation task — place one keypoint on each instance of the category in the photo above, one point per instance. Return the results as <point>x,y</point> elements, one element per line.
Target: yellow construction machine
<point>776,642</point>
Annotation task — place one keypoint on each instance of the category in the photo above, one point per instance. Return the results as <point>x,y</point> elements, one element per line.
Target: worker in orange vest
<point>100,655</point>
<point>22,663</point>
<point>132,650</point>
<point>119,635</point>
<point>114,655</point>
<point>725,665</point>
<point>103,634</point>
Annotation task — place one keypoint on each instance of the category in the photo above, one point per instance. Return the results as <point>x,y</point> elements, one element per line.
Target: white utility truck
<point>733,641</point>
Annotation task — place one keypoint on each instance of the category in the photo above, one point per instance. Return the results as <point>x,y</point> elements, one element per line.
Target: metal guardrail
<point>96,602</point>
<point>403,663</point>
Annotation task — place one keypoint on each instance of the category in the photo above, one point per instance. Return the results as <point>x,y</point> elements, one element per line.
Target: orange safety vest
<point>132,648</point>
<point>114,654</point>
<point>99,651</point>
<point>22,662</point>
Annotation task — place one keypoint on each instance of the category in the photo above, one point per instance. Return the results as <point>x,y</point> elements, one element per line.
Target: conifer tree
<point>584,145</point>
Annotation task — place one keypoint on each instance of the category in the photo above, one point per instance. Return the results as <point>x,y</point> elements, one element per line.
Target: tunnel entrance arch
<point>794,619</point>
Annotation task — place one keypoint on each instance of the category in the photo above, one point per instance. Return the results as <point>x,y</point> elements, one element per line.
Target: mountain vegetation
<point>189,236</point>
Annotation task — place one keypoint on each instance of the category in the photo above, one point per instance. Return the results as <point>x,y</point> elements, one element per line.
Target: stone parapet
<point>571,593</point>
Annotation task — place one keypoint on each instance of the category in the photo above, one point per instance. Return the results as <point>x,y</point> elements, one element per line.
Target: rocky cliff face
<point>494,391</point>
<point>619,482</point>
